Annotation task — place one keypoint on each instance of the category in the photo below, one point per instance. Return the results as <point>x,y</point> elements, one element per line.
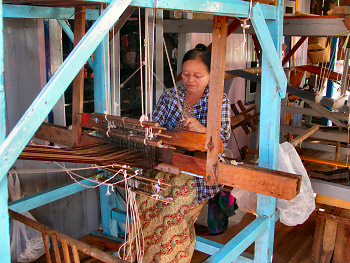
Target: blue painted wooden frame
<point>269,126</point>
<point>235,8</point>
<point>4,216</point>
<point>47,98</point>
<point>237,245</point>
<point>330,83</point>
<point>266,43</point>
<point>45,197</point>
<point>23,11</point>
<point>211,247</point>
<point>70,35</point>
<point>270,107</point>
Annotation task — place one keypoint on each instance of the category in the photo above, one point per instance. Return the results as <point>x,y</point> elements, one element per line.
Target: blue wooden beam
<point>211,247</point>
<point>70,35</point>
<point>102,77</point>
<point>108,203</point>
<point>14,144</point>
<point>270,35</point>
<point>101,96</point>
<point>235,8</point>
<point>266,43</point>
<point>236,246</point>
<point>45,197</point>
<point>207,246</point>
<point>4,216</point>
<point>25,11</point>
<point>226,8</point>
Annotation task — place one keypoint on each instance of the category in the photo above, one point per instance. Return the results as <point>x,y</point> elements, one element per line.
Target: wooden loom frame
<point>267,22</point>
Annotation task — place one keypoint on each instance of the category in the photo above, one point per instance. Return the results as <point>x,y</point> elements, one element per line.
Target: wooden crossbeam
<point>322,72</point>
<point>304,135</point>
<point>55,133</point>
<point>188,140</point>
<point>293,50</point>
<point>325,112</point>
<point>248,177</point>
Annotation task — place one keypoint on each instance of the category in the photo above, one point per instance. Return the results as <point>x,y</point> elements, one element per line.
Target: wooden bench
<point>332,235</point>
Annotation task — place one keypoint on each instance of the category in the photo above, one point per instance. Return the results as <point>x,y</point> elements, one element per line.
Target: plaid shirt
<point>167,114</point>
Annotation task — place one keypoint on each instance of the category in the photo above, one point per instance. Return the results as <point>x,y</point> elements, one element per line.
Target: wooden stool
<point>332,235</point>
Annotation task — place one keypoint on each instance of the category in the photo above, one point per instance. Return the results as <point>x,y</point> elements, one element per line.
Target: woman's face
<point>195,76</point>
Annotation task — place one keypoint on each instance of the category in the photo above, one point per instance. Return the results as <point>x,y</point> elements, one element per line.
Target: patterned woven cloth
<point>168,229</point>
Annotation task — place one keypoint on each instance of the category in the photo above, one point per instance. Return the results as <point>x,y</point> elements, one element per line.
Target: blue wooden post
<point>101,98</point>
<point>269,121</point>
<point>331,65</point>
<point>101,77</point>
<point>4,216</point>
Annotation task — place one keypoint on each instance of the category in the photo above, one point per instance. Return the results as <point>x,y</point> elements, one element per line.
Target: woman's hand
<point>194,125</point>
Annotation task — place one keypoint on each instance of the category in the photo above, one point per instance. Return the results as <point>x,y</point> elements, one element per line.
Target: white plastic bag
<point>246,200</point>
<point>297,210</point>
<point>26,243</point>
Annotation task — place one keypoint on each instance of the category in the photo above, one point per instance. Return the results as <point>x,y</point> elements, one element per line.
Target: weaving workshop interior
<point>174,131</point>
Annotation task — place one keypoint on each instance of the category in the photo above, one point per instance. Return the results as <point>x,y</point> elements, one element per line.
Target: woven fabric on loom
<point>168,229</point>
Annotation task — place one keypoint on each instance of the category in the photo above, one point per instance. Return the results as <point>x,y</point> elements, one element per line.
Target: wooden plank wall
<point>76,215</point>
<point>21,62</point>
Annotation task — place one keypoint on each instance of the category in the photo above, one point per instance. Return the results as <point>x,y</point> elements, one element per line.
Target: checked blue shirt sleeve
<point>167,114</point>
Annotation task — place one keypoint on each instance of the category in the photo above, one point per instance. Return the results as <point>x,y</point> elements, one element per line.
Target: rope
<point>98,183</point>
<point>135,234</point>
<point>174,83</point>
<point>244,25</point>
<point>43,171</point>
<point>141,63</point>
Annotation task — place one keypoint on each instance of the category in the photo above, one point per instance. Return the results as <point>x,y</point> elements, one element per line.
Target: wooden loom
<point>262,180</point>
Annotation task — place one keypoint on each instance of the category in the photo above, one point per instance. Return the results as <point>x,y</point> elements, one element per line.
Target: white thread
<point>135,233</point>
<point>157,188</point>
<point>244,25</point>
<point>174,83</point>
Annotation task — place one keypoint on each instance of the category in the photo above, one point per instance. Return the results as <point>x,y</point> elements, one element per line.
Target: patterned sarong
<point>168,229</point>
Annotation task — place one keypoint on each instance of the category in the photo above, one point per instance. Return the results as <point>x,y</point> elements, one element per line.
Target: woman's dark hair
<point>199,52</point>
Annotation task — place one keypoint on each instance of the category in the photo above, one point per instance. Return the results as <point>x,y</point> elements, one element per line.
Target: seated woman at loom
<point>168,229</point>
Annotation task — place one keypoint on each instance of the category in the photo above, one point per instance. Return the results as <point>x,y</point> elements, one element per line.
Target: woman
<point>168,229</point>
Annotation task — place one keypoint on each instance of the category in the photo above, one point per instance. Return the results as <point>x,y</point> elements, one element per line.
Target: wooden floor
<point>292,244</point>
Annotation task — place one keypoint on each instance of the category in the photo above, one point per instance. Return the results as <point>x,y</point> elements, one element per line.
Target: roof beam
<point>25,11</point>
